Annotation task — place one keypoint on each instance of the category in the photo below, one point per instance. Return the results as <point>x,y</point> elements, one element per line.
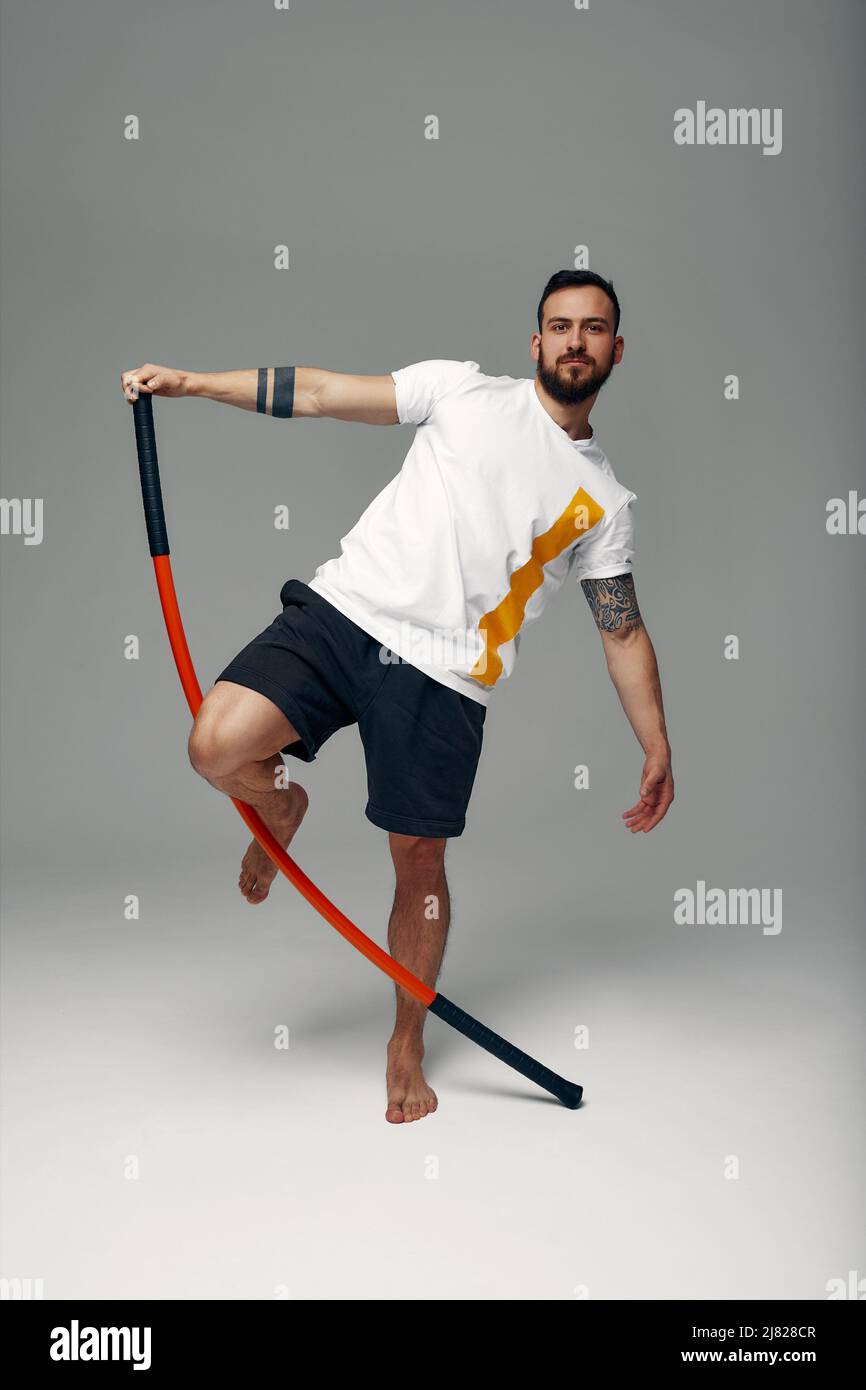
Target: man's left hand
<point>656,794</point>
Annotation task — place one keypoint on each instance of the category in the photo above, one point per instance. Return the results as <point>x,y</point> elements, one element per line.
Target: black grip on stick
<point>148,468</point>
<point>566,1091</point>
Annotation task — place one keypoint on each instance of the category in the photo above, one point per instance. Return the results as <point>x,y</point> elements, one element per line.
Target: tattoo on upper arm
<point>275,393</point>
<point>613,603</point>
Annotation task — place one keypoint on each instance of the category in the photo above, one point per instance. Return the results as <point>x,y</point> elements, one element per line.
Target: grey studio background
<point>156,1144</point>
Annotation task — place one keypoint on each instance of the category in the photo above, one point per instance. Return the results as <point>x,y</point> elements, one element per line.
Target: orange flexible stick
<point>275,851</point>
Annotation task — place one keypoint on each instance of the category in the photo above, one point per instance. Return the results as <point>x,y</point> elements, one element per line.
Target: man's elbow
<point>623,641</point>
<point>630,629</point>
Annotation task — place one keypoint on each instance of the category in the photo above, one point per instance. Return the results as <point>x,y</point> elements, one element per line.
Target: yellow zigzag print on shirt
<point>504,621</point>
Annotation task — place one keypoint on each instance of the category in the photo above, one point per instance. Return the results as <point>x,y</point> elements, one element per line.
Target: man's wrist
<point>658,748</point>
<point>192,383</point>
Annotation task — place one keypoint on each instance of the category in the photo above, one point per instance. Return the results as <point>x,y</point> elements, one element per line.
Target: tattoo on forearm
<point>275,391</point>
<point>613,603</point>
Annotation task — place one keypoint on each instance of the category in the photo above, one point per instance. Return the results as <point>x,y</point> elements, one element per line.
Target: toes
<point>253,885</point>
<point>427,1104</point>
<point>251,889</point>
<point>409,1099</point>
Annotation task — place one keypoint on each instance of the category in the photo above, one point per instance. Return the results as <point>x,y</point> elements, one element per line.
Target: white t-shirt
<point>493,508</point>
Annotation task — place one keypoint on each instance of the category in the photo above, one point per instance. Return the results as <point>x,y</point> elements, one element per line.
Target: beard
<point>571,384</point>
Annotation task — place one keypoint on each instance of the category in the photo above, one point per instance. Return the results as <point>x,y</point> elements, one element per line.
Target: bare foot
<point>258,870</point>
<point>409,1096</point>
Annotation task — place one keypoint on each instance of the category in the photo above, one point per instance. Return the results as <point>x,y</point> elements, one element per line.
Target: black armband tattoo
<point>275,392</point>
<point>613,603</point>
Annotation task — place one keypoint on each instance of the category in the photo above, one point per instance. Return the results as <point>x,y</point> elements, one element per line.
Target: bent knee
<point>211,751</point>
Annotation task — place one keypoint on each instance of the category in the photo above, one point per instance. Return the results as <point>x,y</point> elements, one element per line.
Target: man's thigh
<point>422,743</point>
<point>302,668</point>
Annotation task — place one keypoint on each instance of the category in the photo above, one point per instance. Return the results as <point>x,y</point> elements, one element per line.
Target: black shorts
<point>422,740</point>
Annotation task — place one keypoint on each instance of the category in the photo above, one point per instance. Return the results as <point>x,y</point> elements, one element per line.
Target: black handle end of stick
<point>571,1094</point>
<point>567,1092</point>
<point>148,468</point>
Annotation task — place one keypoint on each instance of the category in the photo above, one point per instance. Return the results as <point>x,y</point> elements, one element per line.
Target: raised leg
<point>235,745</point>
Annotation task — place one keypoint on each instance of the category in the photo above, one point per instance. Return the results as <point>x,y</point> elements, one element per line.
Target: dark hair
<point>564,279</point>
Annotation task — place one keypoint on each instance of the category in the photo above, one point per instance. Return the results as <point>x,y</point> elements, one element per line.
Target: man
<point>505,490</point>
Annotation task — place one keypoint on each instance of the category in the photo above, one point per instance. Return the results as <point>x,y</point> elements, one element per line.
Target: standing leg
<point>417,932</point>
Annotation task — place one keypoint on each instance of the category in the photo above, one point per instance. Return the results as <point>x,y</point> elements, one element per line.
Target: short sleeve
<point>608,549</point>
<point>421,385</point>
